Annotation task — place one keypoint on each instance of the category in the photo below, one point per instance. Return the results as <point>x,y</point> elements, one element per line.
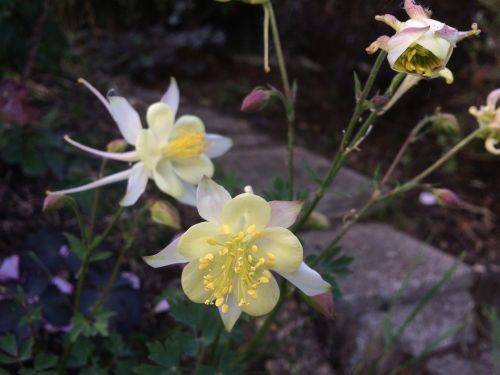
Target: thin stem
<point>114,274</point>
<point>251,347</point>
<point>377,197</point>
<point>410,139</point>
<point>341,156</point>
<point>79,219</point>
<point>289,99</point>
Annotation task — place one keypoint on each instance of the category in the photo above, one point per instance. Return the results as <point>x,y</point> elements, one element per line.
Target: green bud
<point>165,214</point>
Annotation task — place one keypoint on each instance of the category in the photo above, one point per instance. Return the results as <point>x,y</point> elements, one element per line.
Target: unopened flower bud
<point>447,198</point>
<point>117,145</point>
<point>445,123</point>
<point>256,100</point>
<point>53,202</point>
<point>379,101</point>
<point>166,214</point>
<point>317,220</point>
<point>322,303</point>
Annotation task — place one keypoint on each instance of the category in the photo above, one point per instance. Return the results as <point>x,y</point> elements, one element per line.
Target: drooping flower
<point>421,46</point>
<point>174,153</point>
<point>488,117</point>
<point>231,254</point>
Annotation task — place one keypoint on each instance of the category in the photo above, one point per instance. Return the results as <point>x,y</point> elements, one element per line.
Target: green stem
<point>377,197</point>
<point>251,347</point>
<point>341,156</point>
<point>93,212</point>
<point>289,100</point>
<point>79,219</point>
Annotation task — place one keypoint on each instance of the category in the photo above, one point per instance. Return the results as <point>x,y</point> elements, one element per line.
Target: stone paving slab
<point>383,259</point>
<point>259,166</point>
<point>439,317</point>
<point>456,365</point>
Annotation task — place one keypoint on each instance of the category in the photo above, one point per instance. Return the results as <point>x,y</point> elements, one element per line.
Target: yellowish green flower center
<point>188,145</point>
<point>418,60</point>
<point>234,267</point>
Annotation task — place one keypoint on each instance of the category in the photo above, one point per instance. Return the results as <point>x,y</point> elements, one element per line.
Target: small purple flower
<point>9,269</point>
<point>162,306</point>
<point>63,285</point>
<point>133,279</point>
<point>427,198</point>
<point>64,251</point>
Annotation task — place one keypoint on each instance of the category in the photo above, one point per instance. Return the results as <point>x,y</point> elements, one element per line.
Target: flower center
<point>417,59</point>
<point>234,267</point>
<point>188,145</point>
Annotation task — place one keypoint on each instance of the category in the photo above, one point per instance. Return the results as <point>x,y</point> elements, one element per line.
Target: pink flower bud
<point>447,198</point>
<point>256,100</point>
<point>117,145</point>
<point>380,100</point>
<point>53,202</point>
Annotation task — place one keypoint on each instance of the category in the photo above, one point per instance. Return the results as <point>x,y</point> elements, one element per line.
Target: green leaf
<point>313,175</point>
<point>150,370</point>
<point>44,361</point>
<point>79,326</point>
<point>75,245</point>
<point>26,349</point>
<point>100,256</point>
<point>8,344</point>
<point>387,331</point>
<point>160,355</point>
<point>4,372</point>
<point>33,315</point>
<point>6,359</point>
<point>357,87</point>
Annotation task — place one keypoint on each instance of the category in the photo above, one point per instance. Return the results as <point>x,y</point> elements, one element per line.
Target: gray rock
<point>453,364</point>
<point>440,316</point>
<point>387,262</point>
<point>259,166</point>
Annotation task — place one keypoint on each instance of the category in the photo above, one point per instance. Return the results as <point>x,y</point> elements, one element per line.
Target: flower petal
<point>447,75</point>
<point>399,42</point>
<point>267,297</point>
<point>148,148</point>
<point>438,46</point>
<point>231,316</point>
<point>210,199</point>
<point>120,176</point>
<point>166,179</point>
<point>284,213</point>
<point>492,99</point>
<point>160,118</point>
<point>415,11</point>
<point>217,145</point>
<point>380,43</point>
<point>166,257</point>
<point>137,182</point>
<point>126,118</point>
<point>171,96</point>
<point>192,283</point>
<point>192,170</point>
<point>121,156</point>
<point>245,210</point>
<point>285,247</point>
<point>187,124</point>
<point>389,20</point>
<point>307,280</point>
<point>189,196</point>
<point>194,242</point>
<point>408,82</point>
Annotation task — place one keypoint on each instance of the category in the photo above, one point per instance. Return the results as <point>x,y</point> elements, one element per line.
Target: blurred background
<point>215,52</point>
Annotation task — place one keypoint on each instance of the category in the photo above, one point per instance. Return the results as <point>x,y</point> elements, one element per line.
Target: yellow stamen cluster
<point>416,59</point>
<point>235,267</point>
<point>188,145</point>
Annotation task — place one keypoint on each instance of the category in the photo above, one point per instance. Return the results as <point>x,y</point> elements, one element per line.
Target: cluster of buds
<point>421,46</point>
<point>488,117</point>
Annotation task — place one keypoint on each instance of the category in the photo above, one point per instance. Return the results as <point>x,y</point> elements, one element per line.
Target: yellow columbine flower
<point>231,254</point>
<point>421,46</point>
<point>174,153</point>
<point>488,117</point>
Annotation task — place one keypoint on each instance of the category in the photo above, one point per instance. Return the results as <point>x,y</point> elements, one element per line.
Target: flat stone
<point>454,364</point>
<point>440,316</point>
<point>259,166</point>
<point>387,262</point>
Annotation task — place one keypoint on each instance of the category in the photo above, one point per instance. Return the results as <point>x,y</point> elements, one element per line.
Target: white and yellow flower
<point>174,153</point>
<point>231,254</point>
<point>421,46</point>
<point>488,117</point>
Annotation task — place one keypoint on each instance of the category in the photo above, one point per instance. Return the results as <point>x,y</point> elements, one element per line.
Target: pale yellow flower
<point>174,153</point>
<point>231,254</point>
<point>488,117</point>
